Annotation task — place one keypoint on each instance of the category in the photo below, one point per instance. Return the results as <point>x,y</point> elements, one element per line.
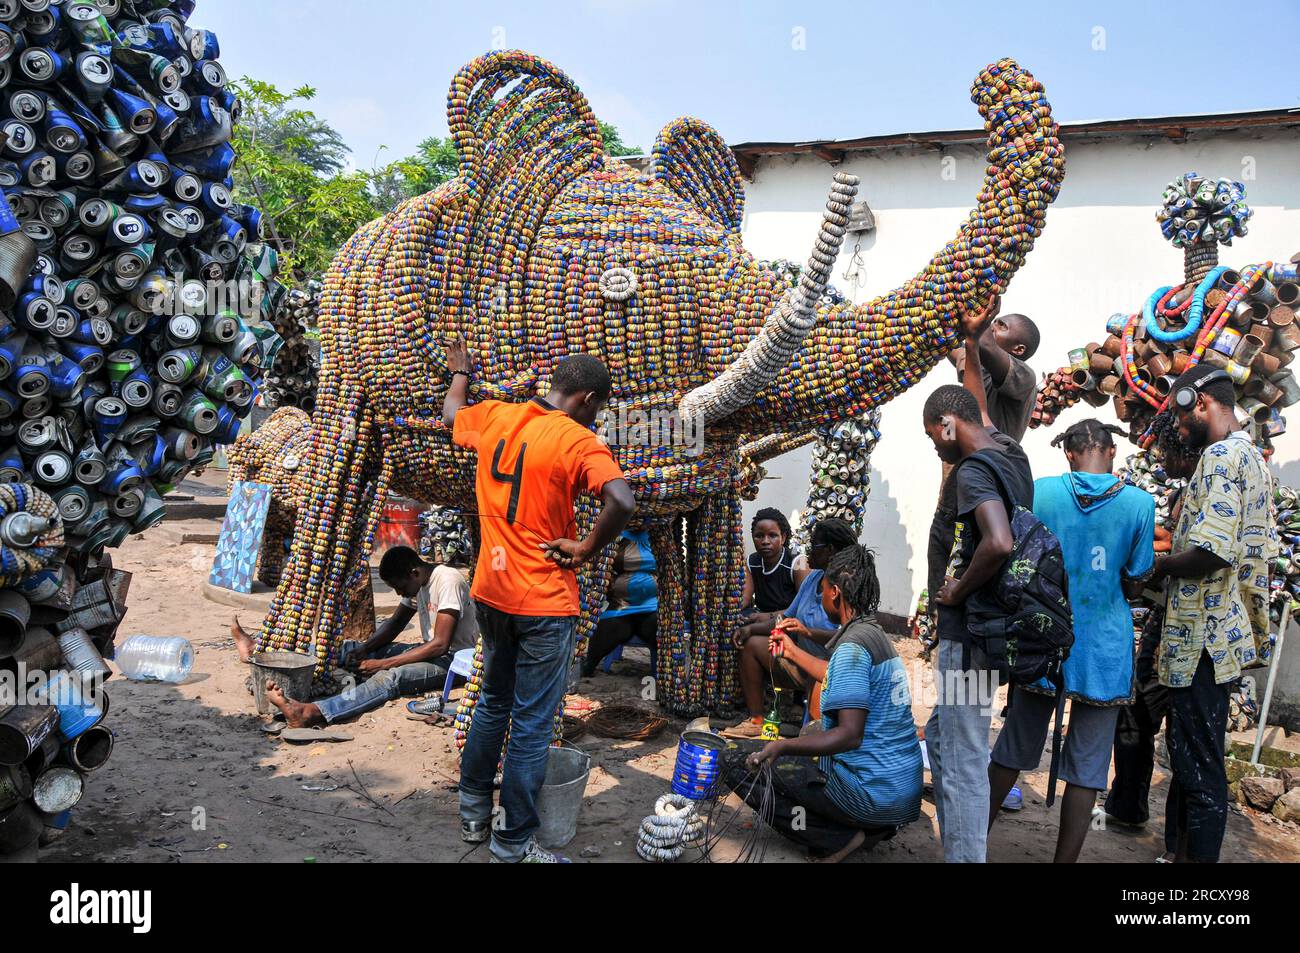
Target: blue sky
<point>765,70</point>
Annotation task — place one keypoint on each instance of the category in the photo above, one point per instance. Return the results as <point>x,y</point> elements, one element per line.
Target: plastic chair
<point>462,665</point>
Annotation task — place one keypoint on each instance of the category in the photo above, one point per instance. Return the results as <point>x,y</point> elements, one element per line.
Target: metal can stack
<point>443,536</point>
<point>132,288</point>
<point>57,625</point>
<point>1057,393</point>
<point>291,379</point>
<point>1285,580</point>
<point>1241,321</point>
<point>840,480</point>
<point>132,295</point>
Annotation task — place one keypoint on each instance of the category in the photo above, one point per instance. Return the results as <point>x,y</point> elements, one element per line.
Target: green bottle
<point>772,723</point>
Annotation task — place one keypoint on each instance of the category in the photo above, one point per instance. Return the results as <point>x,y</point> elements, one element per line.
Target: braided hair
<point>773,514</point>
<point>833,532</point>
<point>1167,441</point>
<point>853,571</point>
<point>1089,434</point>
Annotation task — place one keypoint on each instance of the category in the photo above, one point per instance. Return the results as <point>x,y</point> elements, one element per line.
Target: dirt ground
<point>195,779</point>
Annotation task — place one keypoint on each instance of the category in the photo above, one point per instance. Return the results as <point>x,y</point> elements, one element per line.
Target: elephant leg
<point>465,707</point>
<point>672,676</point>
<point>718,565</point>
<point>332,541</point>
<point>593,578</point>
<point>279,528</point>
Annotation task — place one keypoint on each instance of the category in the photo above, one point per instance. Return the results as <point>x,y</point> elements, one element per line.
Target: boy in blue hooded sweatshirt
<point>1106,529</point>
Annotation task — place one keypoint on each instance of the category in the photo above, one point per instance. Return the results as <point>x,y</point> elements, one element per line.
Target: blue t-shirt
<point>879,782</point>
<point>633,589</point>
<point>807,608</point>
<point>1104,540</point>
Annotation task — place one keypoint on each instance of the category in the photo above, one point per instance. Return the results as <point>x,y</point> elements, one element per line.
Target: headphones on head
<point>1185,396</point>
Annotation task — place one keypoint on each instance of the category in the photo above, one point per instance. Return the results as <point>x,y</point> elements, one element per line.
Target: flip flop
<point>273,727</point>
<point>314,734</point>
<point>425,706</point>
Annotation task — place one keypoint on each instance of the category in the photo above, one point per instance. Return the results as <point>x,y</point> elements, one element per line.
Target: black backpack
<point>1021,618</point>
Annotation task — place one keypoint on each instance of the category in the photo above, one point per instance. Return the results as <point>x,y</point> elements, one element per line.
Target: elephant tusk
<point>790,322</point>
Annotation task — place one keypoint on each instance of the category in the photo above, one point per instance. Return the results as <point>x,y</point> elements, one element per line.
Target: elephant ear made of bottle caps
<point>116,169</point>
<point>542,246</point>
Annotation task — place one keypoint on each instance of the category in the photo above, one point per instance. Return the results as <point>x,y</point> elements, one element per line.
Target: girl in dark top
<point>804,621</point>
<point>772,580</point>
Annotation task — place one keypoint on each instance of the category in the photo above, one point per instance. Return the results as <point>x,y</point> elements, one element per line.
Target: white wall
<point>1100,252</point>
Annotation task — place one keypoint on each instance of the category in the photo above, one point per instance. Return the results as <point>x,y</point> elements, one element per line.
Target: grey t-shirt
<point>1011,403</point>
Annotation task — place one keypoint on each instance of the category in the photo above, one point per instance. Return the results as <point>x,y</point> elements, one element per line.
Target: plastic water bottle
<point>154,658</point>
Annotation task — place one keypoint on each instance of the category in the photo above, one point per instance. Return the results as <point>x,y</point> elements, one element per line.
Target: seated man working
<point>438,593</point>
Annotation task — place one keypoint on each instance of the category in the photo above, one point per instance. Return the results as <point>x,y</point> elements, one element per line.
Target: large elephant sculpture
<point>541,246</point>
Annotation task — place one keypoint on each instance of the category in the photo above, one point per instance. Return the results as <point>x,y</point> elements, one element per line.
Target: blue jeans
<point>525,668</point>
<point>382,687</point>
<point>957,740</point>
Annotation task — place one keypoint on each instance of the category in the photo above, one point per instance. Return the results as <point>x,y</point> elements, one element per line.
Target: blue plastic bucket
<point>699,764</point>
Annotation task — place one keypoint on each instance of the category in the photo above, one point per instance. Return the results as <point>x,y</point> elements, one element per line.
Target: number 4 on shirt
<point>515,480</point>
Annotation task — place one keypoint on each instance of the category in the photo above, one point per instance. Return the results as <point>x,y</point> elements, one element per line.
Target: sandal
<point>745,729</point>
<point>425,706</point>
<point>308,735</point>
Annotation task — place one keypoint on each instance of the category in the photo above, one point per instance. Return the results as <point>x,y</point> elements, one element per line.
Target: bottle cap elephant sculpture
<point>542,246</point>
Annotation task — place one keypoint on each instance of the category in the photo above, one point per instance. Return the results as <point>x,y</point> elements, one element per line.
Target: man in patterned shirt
<point>1216,602</point>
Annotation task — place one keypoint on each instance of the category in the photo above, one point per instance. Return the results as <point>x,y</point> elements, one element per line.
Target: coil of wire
<point>675,825</point>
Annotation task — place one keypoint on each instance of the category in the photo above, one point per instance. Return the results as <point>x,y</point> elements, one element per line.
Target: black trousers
<point>1198,794</point>
<point>616,631</point>
<point>801,809</point>
<point>1135,739</point>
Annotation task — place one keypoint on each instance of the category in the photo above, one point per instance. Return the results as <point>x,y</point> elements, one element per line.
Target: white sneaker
<point>535,854</point>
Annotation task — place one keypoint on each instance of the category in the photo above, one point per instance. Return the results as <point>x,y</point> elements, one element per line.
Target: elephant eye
<point>617,283</point>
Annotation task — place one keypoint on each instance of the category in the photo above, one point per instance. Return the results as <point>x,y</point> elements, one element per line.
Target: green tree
<point>292,165</point>
<point>614,141</point>
<point>434,162</point>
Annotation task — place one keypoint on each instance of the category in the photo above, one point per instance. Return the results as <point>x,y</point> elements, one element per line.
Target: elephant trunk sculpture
<point>543,246</point>
<point>794,318</point>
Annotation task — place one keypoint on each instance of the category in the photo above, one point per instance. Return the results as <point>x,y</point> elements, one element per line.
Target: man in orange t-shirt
<point>533,459</point>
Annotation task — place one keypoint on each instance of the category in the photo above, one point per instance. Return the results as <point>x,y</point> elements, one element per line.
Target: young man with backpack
<point>1106,531</point>
<point>957,735</point>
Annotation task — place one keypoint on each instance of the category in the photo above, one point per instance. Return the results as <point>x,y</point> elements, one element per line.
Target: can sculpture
<point>544,246</point>
<point>1243,321</point>
<point>120,367</point>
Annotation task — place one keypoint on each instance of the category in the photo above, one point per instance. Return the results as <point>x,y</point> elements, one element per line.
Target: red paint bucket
<point>399,525</point>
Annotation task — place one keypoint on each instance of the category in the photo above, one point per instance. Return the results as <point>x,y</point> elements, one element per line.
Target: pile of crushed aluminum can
<point>292,375</point>
<point>132,292</point>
